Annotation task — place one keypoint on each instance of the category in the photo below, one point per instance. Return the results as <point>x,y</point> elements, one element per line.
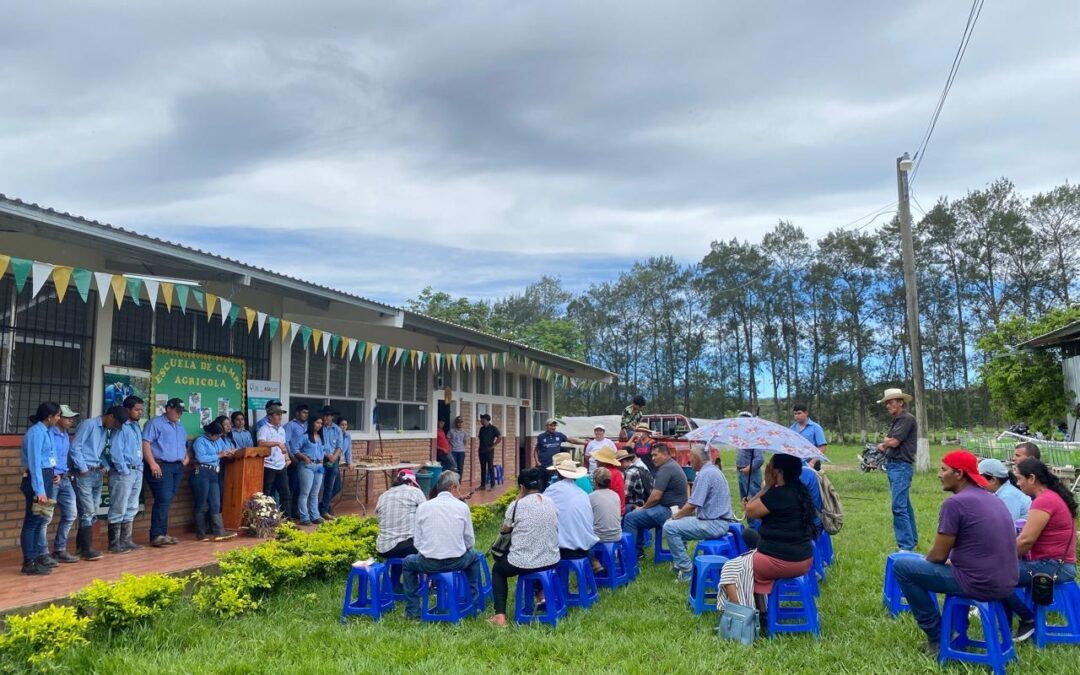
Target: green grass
<point>644,628</point>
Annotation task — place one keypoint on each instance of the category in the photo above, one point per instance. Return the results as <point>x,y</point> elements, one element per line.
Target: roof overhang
<point>1055,338</point>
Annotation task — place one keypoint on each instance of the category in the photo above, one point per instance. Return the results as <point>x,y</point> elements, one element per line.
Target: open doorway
<point>523,438</point>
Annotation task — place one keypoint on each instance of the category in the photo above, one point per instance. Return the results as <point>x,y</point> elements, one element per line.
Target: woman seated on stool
<point>1048,538</point>
<point>533,524</point>
<point>786,512</point>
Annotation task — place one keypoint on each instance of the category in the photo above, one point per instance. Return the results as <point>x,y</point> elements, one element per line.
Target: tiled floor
<point>19,593</point>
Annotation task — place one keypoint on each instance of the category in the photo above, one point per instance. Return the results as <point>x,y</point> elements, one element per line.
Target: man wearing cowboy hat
<point>333,442</point>
<point>583,481</point>
<point>637,480</point>
<point>643,443</point>
<point>598,441</point>
<point>899,448</point>
<point>605,457</point>
<point>576,535</point>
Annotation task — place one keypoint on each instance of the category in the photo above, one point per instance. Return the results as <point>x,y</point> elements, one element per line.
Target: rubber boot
<point>116,544</point>
<point>125,536</point>
<point>217,524</point>
<point>85,539</point>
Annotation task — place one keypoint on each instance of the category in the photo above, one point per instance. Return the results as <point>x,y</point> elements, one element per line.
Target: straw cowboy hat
<point>605,455</point>
<point>643,427</point>
<point>568,468</point>
<point>624,454</point>
<point>558,458</point>
<point>890,394</point>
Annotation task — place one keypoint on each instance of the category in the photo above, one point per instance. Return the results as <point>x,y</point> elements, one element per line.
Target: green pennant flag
<point>182,296</point>
<point>361,347</point>
<point>200,297</point>
<point>335,342</point>
<point>305,334</point>
<point>274,324</point>
<point>20,267</point>
<point>82,281</point>
<point>134,287</point>
<point>382,353</point>
<point>234,312</point>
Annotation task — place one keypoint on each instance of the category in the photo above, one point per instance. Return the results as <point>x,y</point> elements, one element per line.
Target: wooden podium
<point>243,478</point>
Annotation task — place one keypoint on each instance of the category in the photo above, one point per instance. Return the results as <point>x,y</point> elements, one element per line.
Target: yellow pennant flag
<point>119,283</point>
<point>285,326</point>
<point>344,346</point>
<point>211,303</point>
<point>367,350</point>
<point>250,314</point>
<point>61,277</point>
<point>167,291</point>
<point>4,260</point>
<point>317,334</point>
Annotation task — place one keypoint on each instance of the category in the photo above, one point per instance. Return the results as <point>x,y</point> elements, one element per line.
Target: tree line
<point>759,325</point>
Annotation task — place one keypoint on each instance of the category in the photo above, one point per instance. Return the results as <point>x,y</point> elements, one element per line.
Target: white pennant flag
<point>104,283</point>
<point>151,290</point>
<point>226,307</point>
<point>397,355</point>
<point>375,351</point>
<point>453,360</point>
<point>42,272</point>
<point>261,320</point>
<point>326,342</point>
<point>293,330</point>
<point>352,348</point>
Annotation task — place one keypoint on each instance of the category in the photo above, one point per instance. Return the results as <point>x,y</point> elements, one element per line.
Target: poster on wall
<point>119,383</point>
<point>208,385</point>
<point>259,393</point>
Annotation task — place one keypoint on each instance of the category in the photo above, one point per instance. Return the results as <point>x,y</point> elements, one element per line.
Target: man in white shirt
<point>444,538</point>
<point>272,435</point>
<point>594,444</point>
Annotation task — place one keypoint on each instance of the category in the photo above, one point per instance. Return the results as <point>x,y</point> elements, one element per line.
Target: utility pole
<point>911,292</point>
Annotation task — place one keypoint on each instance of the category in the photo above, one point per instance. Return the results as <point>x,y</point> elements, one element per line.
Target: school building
<point>315,345</point>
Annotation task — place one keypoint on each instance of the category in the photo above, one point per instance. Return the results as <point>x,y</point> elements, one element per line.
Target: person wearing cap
<point>532,522</point>
<point>643,443</point>
<point>668,496</point>
<point>275,478</point>
<point>974,552</point>
<point>208,450</point>
<point>636,478</point>
<point>706,515</point>
<point>899,448</point>
<point>444,540</point>
<point>165,453</point>
<point>38,487</point>
<point>125,482</point>
<point>65,491</point>
<point>576,535</point>
<point>264,420</point>
<point>97,448</point>
<point>396,513</point>
<point>309,455</point>
<point>488,437</point>
<point>1001,482</point>
<point>599,440</point>
<point>548,443</point>
<point>333,442</point>
<point>631,418</point>
<point>295,431</point>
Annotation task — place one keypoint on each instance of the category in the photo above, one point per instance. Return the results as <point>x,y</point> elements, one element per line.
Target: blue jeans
<point>65,504</point>
<point>88,496</point>
<point>120,489</point>
<point>164,490</point>
<point>33,530</point>
<point>331,485</point>
<point>416,564</point>
<point>639,519</point>
<point>311,478</point>
<point>206,493</point>
<point>691,528</point>
<point>749,485</point>
<point>131,509</point>
<point>292,472</point>
<point>459,459</point>
<point>918,578</point>
<point>1028,568</point>
<point>900,473</point>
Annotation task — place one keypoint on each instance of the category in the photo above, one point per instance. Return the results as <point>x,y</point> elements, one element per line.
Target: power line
<point>958,58</point>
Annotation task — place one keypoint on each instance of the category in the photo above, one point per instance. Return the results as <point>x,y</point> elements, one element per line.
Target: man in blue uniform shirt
<point>164,448</point>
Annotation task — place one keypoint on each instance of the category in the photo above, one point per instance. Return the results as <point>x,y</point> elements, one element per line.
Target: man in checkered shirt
<point>396,511</point>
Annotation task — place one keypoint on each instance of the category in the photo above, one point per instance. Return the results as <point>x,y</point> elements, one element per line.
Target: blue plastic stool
<point>1067,604</point>
<point>825,547</point>
<point>612,555</point>
<point>629,548</point>
<point>705,582</point>
<point>995,650</point>
<point>818,566</point>
<point>453,598</point>
<point>661,554</point>
<point>527,585</point>
<point>485,591</point>
<point>725,547</point>
<point>735,530</point>
<point>586,594</point>
<point>373,594</point>
<point>792,608</point>
<point>646,538</point>
<point>393,570</point>
<point>891,595</point>
<point>498,474</point>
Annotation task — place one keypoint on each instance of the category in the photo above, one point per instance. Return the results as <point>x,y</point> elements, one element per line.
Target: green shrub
<point>123,603</point>
<point>39,638</point>
<point>224,595</point>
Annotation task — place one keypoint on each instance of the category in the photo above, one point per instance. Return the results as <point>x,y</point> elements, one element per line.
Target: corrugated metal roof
<point>1067,333</point>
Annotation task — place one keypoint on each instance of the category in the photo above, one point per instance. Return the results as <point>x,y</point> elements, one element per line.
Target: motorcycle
<point>871,459</point>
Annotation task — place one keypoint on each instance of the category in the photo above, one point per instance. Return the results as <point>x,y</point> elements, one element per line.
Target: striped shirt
<point>396,511</point>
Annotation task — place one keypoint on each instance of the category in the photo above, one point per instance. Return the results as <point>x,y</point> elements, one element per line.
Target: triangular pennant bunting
<point>167,294</point>
<point>42,272</point>
<point>305,335</point>
<point>182,296</point>
<point>20,269</point>
<point>4,260</point>
<point>326,342</point>
<point>351,348</point>
<point>134,287</point>
<point>151,292</point>
<point>250,315</point>
<point>316,336</point>
<point>335,344</point>
<point>260,320</point>
<point>294,328</point>
<point>119,285</point>
<point>226,309</point>
<point>274,324</point>
<point>61,277</point>
<point>82,282</point>
<point>103,280</point>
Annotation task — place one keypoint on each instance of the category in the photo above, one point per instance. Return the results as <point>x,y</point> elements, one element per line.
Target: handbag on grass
<point>501,547</point>
<point>739,623</point>
<point>1042,584</point>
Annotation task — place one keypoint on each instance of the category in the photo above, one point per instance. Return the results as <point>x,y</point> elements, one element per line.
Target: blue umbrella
<point>754,432</point>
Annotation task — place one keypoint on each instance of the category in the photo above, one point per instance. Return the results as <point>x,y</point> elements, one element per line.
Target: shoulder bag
<point>501,547</point>
<point>739,623</point>
<point>1042,584</point>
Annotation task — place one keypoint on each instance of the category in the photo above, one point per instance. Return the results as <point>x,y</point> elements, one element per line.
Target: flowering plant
<point>261,515</point>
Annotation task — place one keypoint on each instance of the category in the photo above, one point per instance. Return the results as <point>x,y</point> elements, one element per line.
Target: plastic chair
<point>817,567</point>
<point>792,608</point>
<point>374,596</point>
<point>661,554</point>
<point>995,650</point>
<point>629,548</point>
<point>735,530</point>
<point>498,474</point>
<point>393,570</point>
<point>453,598</point>
<point>1067,605</point>
<point>586,594</point>
<point>825,547</point>
<point>891,595</point>
<point>524,604</point>
<point>725,547</point>
<point>705,582</point>
<point>612,555</point>
<point>485,591</point>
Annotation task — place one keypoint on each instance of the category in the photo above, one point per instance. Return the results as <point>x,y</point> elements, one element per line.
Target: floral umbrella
<point>754,432</point>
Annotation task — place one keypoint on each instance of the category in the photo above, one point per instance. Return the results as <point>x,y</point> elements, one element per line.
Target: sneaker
<point>684,576</point>
<point>225,536</point>
<point>202,536</point>
<point>65,557</point>
<point>31,568</point>
<point>1024,630</point>
<point>159,541</point>
<point>171,540</point>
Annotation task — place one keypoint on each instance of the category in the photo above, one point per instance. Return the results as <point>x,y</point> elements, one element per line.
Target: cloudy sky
<point>474,146</point>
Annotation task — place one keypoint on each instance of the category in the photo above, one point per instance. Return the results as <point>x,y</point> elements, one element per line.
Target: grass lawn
<point>644,628</point>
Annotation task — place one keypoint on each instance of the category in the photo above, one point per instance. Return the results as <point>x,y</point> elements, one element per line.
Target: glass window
<point>539,401</point>
<point>405,391</point>
<point>510,385</point>
<point>357,378</point>
<point>444,378</point>
<point>465,381</point>
<point>298,369</point>
<point>481,381</point>
<point>320,379</point>
<point>496,382</point>
<point>339,375</point>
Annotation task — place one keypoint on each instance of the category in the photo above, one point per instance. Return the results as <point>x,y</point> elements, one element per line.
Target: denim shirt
<point>206,451</point>
<point>242,438</point>
<point>127,448</point>
<point>313,450</point>
<point>346,446</point>
<point>88,449</point>
<point>168,441</point>
<point>331,437</point>
<point>37,454</point>
<point>295,432</point>
<point>61,447</point>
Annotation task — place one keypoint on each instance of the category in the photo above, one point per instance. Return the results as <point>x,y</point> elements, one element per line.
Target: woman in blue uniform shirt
<point>310,457</point>
<point>208,450</point>
<point>38,486</point>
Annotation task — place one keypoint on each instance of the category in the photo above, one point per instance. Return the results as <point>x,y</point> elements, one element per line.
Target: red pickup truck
<point>670,428</point>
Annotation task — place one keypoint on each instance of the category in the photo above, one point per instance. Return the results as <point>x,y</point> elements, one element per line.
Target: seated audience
<point>604,457</point>
<point>974,553</point>
<point>444,542</point>
<point>706,515</point>
<point>636,477</point>
<point>1048,540</point>
<point>584,482</point>
<point>576,537</point>
<point>532,522</point>
<point>396,512</point>
<point>667,496</point>
<point>1001,482</point>
<point>607,512</point>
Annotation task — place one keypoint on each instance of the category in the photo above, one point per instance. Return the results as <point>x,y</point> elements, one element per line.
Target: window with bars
<point>136,330</point>
<point>510,380</point>
<point>540,391</point>
<point>318,379</point>
<point>46,351</point>
<point>496,382</point>
<point>403,393</point>
<point>482,381</point>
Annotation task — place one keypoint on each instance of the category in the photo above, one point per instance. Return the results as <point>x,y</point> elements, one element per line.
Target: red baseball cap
<point>962,460</point>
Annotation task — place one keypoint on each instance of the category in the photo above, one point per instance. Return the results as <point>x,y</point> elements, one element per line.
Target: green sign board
<point>208,385</point>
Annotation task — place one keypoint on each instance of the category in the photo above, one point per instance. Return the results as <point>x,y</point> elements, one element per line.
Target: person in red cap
<point>975,536</point>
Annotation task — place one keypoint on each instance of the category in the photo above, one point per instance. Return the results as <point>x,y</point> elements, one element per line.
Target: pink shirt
<point>1057,537</point>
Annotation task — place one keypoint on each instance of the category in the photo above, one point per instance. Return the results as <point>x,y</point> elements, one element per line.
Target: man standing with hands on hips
<point>899,448</point>
<point>165,451</point>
